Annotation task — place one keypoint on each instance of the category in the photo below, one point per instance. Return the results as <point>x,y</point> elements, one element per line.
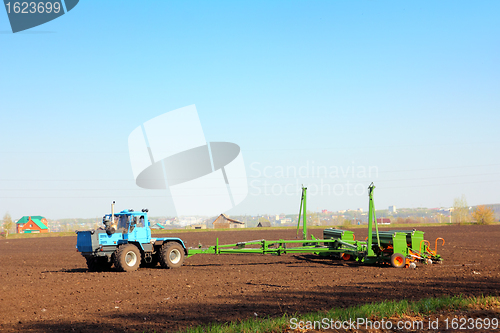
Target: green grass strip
<point>41,235</point>
<point>372,311</point>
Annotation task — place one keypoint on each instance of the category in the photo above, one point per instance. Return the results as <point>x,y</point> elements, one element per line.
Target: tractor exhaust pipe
<point>113,213</point>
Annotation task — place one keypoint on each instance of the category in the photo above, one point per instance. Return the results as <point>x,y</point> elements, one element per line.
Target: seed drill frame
<point>399,248</point>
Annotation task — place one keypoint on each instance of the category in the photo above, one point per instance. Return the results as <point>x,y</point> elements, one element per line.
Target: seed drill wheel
<point>345,256</point>
<point>172,255</point>
<point>127,258</point>
<point>398,260</point>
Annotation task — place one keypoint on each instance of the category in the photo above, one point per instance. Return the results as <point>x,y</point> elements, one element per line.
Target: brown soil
<point>45,285</point>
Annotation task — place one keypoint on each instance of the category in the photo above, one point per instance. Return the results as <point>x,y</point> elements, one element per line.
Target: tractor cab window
<point>141,222</point>
<point>123,222</point>
<point>137,222</point>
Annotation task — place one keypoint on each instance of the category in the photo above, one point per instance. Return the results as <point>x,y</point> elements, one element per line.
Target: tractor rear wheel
<point>171,255</point>
<point>98,264</point>
<point>127,258</point>
<point>398,260</point>
<point>92,264</point>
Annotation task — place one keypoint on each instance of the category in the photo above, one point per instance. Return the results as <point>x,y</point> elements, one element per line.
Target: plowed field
<point>45,286</point>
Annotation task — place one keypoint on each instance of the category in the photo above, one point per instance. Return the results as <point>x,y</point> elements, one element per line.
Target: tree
<point>263,219</point>
<point>346,223</point>
<point>338,220</point>
<point>7,224</point>
<point>483,215</point>
<point>460,212</point>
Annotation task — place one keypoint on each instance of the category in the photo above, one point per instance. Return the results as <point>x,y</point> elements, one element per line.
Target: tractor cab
<point>134,226</point>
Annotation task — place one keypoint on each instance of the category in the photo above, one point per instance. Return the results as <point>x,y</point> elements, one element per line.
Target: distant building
<point>392,209</point>
<point>170,221</point>
<point>265,224</point>
<point>32,224</point>
<point>383,221</point>
<point>197,226</point>
<point>315,221</point>
<point>157,226</point>
<point>224,222</point>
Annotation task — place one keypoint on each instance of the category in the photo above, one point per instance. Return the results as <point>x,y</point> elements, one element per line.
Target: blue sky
<point>408,88</point>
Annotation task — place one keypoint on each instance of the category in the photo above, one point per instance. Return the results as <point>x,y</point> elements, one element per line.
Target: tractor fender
<point>136,244</point>
<point>160,241</point>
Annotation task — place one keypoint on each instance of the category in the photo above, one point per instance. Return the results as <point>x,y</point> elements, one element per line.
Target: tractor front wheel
<point>398,260</point>
<point>172,255</point>
<point>127,258</point>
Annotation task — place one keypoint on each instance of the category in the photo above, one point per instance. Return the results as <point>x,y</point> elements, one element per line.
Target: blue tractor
<point>125,242</point>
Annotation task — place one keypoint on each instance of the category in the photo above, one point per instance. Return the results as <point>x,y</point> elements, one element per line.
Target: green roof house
<point>31,224</point>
